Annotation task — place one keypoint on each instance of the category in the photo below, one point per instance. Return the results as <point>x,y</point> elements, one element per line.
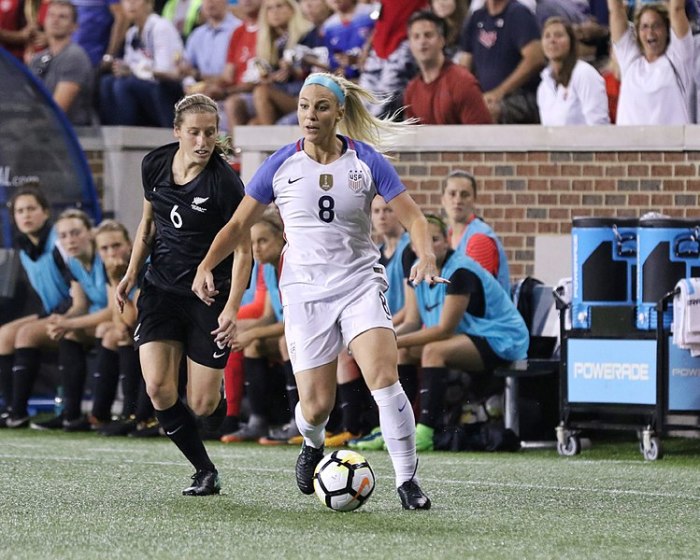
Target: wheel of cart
<point>650,444</point>
<point>568,441</point>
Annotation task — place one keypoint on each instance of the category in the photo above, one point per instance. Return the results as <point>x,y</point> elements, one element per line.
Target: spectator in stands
<point>239,67</point>
<point>74,331</point>
<point>468,234</point>
<point>15,32</point>
<point>64,66</point>
<point>315,12</point>
<point>346,35</point>
<point>443,92</point>
<point>502,47</point>
<point>454,13</point>
<point>48,276</point>
<point>101,29</point>
<point>571,91</point>
<point>183,14</point>
<point>205,53</point>
<point>656,63</point>
<point>280,27</point>
<point>388,65</point>
<point>470,324</point>
<point>310,54</point>
<point>146,84</point>
<point>75,240</point>
<point>262,339</point>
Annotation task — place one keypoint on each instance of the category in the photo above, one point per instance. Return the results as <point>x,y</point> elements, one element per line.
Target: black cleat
<point>53,423</point>
<point>412,497</point>
<point>306,465</point>
<point>204,483</point>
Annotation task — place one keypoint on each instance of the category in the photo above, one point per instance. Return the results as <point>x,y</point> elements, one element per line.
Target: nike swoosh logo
<point>290,181</point>
<point>431,307</point>
<point>217,355</point>
<point>401,408</point>
<point>364,483</point>
<point>176,430</point>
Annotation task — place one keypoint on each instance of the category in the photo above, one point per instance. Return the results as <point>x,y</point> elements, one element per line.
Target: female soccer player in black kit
<point>190,193</point>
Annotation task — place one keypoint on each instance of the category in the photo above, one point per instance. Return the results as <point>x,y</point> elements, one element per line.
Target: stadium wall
<point>532,180</point>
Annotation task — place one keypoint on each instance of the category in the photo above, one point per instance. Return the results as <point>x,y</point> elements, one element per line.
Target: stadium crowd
<point>443,62</point>
<point>553,62</point>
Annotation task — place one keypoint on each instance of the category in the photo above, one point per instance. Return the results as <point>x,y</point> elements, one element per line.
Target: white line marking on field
<point>436,481</point>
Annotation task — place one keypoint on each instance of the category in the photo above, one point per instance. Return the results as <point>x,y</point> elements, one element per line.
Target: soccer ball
<point>343,480</point>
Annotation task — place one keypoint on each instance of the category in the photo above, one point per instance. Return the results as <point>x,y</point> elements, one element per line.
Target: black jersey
<point>187,218</point>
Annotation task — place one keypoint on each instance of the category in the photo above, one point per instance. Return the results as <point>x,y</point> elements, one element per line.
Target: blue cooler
<point>669,250</point>
<point>604,252</point>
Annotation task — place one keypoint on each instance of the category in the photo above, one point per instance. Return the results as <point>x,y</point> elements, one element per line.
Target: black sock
<point>432,395</point>
<point>256,374</point>
<point>144,406</point>
<point>6,361</point>
<point>291,386</point>
<point>408,376</point>
<point>73,370</point>
<point>351,396</point>
<point>180,426</point>
<point>130,376</point>
<point>104,383</point>
<point>24,374</point>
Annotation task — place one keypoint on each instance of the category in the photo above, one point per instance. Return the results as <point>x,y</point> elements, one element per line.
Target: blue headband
<point>326,82</point>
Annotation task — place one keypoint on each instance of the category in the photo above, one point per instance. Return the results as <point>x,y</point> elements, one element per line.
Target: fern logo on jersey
<point>197,204</point>
<point>355,180</point>
<point>325,181</point>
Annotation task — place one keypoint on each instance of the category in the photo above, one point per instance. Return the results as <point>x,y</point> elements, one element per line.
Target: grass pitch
<point>83,496</point>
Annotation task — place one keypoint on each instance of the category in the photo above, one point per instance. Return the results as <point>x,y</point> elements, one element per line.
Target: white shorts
<point>317,331</point>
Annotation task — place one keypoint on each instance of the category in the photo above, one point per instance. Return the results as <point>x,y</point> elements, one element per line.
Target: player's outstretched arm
<point>413,220</point>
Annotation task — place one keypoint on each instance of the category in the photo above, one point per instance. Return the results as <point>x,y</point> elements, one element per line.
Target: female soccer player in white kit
<point>331,281</point>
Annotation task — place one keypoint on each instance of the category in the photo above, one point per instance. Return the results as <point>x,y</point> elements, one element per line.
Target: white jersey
<point>326,213</point>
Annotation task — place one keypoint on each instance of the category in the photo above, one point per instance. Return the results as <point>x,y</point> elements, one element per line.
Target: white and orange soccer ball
<point>343,480</point>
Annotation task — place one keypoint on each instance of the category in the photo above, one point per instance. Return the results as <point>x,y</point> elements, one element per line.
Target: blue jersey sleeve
<point>260,186</point>
<point>385,178</point>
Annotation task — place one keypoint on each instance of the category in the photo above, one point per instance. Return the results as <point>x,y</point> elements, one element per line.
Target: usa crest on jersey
<point>355,180</point>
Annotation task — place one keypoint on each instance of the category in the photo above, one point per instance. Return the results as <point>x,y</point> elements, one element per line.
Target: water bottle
<point>58,401</point>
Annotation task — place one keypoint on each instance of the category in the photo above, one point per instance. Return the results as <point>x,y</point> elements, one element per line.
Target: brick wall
<point>525,194</point>
<point>532,180</point>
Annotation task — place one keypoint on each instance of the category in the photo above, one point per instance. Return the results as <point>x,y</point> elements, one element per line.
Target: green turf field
<point>84,496</point>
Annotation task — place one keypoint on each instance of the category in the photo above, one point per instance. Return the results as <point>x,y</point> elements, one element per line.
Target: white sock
<point>399,430</point>
<point>314,436</point>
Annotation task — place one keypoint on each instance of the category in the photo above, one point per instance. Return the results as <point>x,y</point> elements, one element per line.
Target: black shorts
<point>488,356</point>
<point>168,316</point>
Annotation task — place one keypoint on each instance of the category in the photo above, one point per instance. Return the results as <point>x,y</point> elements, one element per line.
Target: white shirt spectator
<point>583,101</point>
<point>157,49</point>
<point>654,92</point>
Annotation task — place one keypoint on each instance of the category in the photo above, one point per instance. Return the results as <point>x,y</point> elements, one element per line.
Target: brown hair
<point>28,189</point>
<point>567,66</point>
<point>77,214</point>
<point>112,226</point>
<point>660,9</point>
<point>200,103</point>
